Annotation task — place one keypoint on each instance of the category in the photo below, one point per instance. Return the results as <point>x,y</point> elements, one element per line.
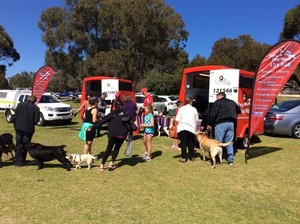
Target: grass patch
<point>265,190</point>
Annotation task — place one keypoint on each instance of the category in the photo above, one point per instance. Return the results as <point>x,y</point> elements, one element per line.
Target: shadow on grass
<point>260,151</point>
<point>32,163</point>
<point>135,159</point>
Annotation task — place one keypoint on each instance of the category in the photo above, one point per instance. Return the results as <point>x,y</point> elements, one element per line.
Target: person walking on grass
<point>117,133</point>
<point>89,118</point>
<point>149,130</point>
<point>187,118</point>
<point>223,117</point>
<point>27,115</point>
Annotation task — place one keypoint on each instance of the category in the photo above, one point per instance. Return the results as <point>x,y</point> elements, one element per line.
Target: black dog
<point>6,145</point>
<point>42,153</point>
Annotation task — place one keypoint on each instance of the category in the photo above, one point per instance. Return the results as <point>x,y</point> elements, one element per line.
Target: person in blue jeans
<point>223,116</point>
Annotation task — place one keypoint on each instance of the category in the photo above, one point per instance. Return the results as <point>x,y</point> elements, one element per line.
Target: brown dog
<point>212,146</point>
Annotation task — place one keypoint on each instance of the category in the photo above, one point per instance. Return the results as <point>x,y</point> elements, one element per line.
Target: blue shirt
<point>147,121</point>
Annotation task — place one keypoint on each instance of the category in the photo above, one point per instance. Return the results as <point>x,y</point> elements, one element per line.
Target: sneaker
<point>173,146</point>
<point>144,155</point>
<point>231,164</point>
<point>147,159</point>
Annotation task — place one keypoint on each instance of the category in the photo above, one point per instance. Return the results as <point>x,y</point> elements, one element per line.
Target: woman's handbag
<point>173,132</point>
<point>129,124</point>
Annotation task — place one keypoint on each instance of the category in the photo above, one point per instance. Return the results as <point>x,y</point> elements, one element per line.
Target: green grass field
<point>265,190</point>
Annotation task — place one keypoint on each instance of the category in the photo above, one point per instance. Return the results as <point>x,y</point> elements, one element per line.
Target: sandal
<point>182,160</point>
<point>110,167</point>
<point>101,168</point>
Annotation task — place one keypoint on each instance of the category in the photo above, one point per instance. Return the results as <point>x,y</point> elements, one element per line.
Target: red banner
<point>41,81</point>
<point>274,71</point>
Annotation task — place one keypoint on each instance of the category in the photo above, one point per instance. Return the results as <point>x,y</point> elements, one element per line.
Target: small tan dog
<point>212,146</point>
<point>84,158</point>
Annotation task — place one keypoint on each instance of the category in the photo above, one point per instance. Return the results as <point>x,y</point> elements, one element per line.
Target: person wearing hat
<point>117,98</point>
<point>89,118</point>
<point>148,97</point>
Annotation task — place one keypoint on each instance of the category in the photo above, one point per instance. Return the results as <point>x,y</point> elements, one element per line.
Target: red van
<point>203,83</point>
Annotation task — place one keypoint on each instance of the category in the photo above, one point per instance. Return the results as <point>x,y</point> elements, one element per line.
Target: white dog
<point>84,158</point>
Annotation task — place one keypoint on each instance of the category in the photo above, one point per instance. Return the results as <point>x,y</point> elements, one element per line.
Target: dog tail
<point>224,144</point>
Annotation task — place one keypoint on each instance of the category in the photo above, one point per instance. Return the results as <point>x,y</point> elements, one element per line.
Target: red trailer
<point>203,83</point>
<point>98,84</point>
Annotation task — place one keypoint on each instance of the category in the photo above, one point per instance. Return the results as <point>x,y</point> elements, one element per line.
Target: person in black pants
<point>27,115</point>
<point>117,133</point>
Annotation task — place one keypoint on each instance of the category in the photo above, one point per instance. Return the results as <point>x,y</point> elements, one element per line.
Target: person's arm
<point>149,125</point>
<point>36,115</point>
<point>82,106</point>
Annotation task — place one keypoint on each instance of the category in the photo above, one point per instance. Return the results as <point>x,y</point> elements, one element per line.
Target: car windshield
<point>48,99</point>
<point>173,98</point>
<point>139,99</point>
<point>285,106</point>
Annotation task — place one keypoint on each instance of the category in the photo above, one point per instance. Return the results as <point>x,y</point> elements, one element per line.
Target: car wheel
<point>42,120</point>
<point>8,117</point>
<point>242,143</point>
<point>296,131</point>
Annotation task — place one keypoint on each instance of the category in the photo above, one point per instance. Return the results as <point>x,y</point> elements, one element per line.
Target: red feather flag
<point>273,73</point>
<point>41,81</point>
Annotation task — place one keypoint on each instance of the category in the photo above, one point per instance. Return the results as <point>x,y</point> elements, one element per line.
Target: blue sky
<point>206,21</point>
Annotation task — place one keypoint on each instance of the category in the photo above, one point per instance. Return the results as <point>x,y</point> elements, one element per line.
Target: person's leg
<point>229,136</point>
<point>18,149</point>
<point>190,145</point>
<point>145,154</point>
<point>115,152</point>
<point>86,147</point>
<point>26,139</point>
<point>149,146</point>
<point>220,130</point>
<point>110,144</point>
<point>183,141</point>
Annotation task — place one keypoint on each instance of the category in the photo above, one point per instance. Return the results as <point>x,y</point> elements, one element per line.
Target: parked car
<point>51,109</point>
<point>284,119</point>
<point>69,95</point>
<point>159,106</point>
<point>169,101</point>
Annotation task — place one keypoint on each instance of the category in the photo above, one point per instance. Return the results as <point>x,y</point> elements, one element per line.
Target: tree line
<point>140,40</point>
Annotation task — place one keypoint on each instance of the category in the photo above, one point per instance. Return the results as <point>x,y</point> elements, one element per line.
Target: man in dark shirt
<point>102,105</point>
<point>223,116</point>
<point>27,115</point>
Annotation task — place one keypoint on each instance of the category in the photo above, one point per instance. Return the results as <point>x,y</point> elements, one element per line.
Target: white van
<point>50,107</point>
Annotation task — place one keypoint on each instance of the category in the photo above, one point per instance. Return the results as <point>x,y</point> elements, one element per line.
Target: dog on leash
<point>212,146</point>
<point>7,145</point>
<point>42,153</point>
<point>79,159</point>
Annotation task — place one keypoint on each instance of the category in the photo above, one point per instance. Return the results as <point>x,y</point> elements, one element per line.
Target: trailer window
<point>125,86</point>
<point>201,82</point>
<point>96,86</point>
<point>246,82</point>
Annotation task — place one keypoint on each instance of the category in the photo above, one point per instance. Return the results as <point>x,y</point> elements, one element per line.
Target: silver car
<point>159,106</point>
<point>284,119</point>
